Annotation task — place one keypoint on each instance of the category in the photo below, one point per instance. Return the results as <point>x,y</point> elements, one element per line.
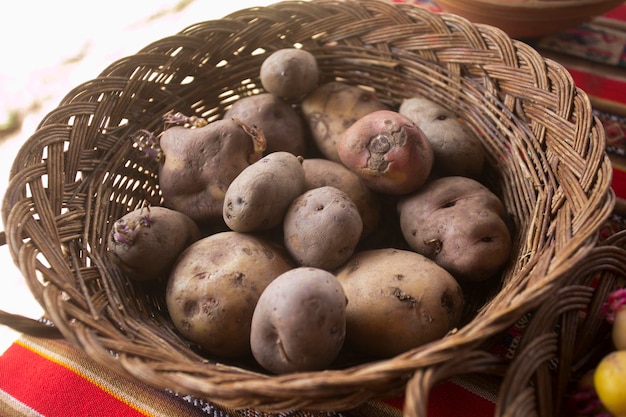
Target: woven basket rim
<point>461,53</point>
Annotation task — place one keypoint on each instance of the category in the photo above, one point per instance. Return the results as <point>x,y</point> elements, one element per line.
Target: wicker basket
<point>79,172</point>
<point>529,18</point>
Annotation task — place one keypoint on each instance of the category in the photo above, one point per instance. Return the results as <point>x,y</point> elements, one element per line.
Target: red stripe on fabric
<point>54,390</point>
<point>618,182</point>
<point>599,85</point>
<point>619,13</point>
<point>450,399</point>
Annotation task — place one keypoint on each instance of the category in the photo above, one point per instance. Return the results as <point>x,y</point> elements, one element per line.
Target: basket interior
<point>80,171</point>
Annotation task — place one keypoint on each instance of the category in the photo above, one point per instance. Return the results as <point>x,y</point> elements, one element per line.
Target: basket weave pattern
<point>80,171</point>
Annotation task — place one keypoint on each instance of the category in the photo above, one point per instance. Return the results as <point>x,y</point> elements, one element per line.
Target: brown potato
<point>289,73</point>
<point>397,300</point>
<point>299,323</point>
<point>145,242</point>
<point>322,228</point>
<point>214,286</point>
<point>198,165</point>
<point>331,108</point>
<point>282,126</point>
<point>458,151</point>
<point>259,196</point>
<point>460,224</point>
<point>319,172</point>
<point>387,151</point>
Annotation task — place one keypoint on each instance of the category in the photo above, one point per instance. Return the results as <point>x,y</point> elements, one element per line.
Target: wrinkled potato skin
<point>199,165</point>
<point>322,228</point>
<point>259,196</point>
<point>214,287</point>
<point>281,124</point>
<point>460,224</point>
<point>387,151</point>
<point>289,73</point>
<point>397,300</point>
<point>331,108</point>
<point>299,323</point>
<point>458,151</point>
<point>161,236</point>
<point>319,172</point>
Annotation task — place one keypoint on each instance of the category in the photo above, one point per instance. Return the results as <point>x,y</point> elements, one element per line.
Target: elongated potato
<point>397,300</point>
<point>259,196</point>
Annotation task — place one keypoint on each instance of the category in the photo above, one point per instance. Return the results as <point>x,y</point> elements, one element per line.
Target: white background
<point>49,47</point>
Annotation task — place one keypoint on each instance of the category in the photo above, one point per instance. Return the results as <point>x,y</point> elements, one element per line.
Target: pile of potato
<point>312,219</point>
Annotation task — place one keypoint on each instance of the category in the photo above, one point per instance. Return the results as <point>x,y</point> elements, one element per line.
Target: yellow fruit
<point>609,381</point>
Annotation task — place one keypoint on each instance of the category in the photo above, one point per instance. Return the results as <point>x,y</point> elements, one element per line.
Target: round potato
<point>299,323</point>
<point>322,228</point>
<point>145,242</point>
<point>259,196</point>
<point>460,224</point>
<point>289,73</point>
<point>387,151</point>
<point>458,151</point>
<point>319,172</point>
<point>215,285</point>
<point>397,300</point>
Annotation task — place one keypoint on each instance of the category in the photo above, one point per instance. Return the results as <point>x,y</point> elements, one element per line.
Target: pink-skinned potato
<point>198,165</point>
<point>145,242</point>
<point>460,224</point>
<point>299,322</point>
<point>388,151</point>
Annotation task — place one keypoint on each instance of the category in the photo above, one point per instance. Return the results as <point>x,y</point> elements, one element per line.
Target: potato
<point>198,165</point>
<point>145,242</point>
<point>458,151</point>
<point>331,108</point>
<point>397,300</point>
<point>322,228</point>
<point>320,172</point>
<point>259,196</point>
<point>299,323</point>
<point>460,224</point>
<point>214,286</point>
<point>289,73</point>
<point>387,151</point>
<point>282,126</point>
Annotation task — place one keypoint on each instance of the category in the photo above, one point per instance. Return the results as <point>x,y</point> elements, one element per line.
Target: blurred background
<point>51,47</point>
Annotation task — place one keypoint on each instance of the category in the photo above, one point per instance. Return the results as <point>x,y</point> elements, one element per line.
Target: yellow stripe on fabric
<point>140,397</point>
<point>14,408</point>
